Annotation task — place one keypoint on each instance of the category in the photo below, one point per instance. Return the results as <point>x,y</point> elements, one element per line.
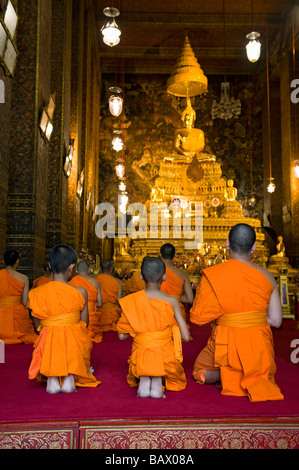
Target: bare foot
<point>68,385</point>
<point>156,388</point>
<point>144,387</point>
<point>53,385</point>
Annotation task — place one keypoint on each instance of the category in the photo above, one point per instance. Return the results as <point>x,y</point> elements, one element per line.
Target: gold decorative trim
<point>203,436</point>
<point>38,439</point>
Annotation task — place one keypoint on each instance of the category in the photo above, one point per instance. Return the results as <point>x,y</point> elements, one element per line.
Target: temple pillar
<point>61,56</point>
<point>76,129</point>
<point>28,153</point>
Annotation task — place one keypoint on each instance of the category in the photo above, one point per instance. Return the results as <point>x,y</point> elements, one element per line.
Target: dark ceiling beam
<point>193,20</point>
<point>172,53</point>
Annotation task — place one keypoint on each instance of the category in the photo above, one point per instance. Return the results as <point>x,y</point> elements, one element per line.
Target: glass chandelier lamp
<point>227,107</point>
<point>115,101</point>
<point>117,143</point>
<point>120,170</point>
<point>253,48</point>
<point>271,186</point>
<point>110,31</point>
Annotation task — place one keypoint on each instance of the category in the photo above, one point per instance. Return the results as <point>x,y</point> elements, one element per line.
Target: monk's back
<point>148,314</point>
<point>239,287</point>
<point>81,281</point>
<point>9,285</point>
<point>109,287</point>
<point>55,298</point>
<point>174,283</point>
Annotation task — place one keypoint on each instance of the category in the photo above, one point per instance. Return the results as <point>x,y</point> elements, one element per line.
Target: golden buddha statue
<point>230,192</point>
<point>189,140</point>
<point>280,247</point>
<point>232,208</point>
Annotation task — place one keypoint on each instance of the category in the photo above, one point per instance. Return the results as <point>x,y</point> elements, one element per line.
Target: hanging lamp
<point>115,101</point>
<point>253,48</point>
<point>227,107</point>
<point>110,31</point>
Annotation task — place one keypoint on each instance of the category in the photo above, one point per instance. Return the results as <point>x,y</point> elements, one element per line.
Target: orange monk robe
<point>134,284</point>
<point>40,281</point>
<point>235,297</point>
<point>174,285</point>
<point>156,349</point>
<point>110,310</point>
<point>63,346</point>
<point>93,329</point>
<point>15,323</point>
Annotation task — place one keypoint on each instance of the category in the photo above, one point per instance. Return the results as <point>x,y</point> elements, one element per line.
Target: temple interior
<point>204,134</point>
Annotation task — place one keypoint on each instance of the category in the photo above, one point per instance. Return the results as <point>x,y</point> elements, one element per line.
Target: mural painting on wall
<point>148,123</point>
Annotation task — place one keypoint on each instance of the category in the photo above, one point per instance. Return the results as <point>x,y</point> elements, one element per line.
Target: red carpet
<point>25,401</point>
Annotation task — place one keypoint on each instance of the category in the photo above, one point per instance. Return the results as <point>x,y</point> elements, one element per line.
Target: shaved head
<point>167,251</point>
<point>83,267</point>
<point>241,238</point>
<point>152,269</point>
<point>106,265</point>
<point>61,257</point>
<point>10,257</point>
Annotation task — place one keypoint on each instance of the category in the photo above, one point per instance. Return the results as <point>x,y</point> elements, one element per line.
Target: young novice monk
<point>155,321</point>
<point>62,352</point>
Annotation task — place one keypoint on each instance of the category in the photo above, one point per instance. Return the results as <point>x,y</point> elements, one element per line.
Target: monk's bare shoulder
<point>94,282</point>
<point>265,272</point>
<point>82,290</point>
<point>179,273</point>
<point>168,298</point>
<point>21,277</point>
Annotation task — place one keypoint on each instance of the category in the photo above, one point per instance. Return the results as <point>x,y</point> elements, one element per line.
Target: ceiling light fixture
<point>227,107</point>
<point>110,31</point>
<point>253,48</point>
<point>117,143</point>
<point>115,101</point>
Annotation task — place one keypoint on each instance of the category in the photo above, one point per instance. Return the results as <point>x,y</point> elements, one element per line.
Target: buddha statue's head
<point>188,116</point>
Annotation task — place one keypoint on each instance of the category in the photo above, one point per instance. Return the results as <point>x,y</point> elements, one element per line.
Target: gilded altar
<point>182,185</point>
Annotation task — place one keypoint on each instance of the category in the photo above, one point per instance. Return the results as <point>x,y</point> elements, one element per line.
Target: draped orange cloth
<point>174,285</point>
<point>156,349</point>
<point>134,284</point>
<point>110,310</point>
<point>93,329</point>
<point>235,296</point>
<point>15,323</point>
<point>63,346</point>
<point>40,281</point>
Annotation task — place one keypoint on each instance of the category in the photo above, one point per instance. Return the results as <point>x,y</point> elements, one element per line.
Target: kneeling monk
<point>93,290</point>
<point>62,352</point>
<point>16,326</point>
<point>242,301</point>
<point>155,321</point>
<point>111,290</point>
